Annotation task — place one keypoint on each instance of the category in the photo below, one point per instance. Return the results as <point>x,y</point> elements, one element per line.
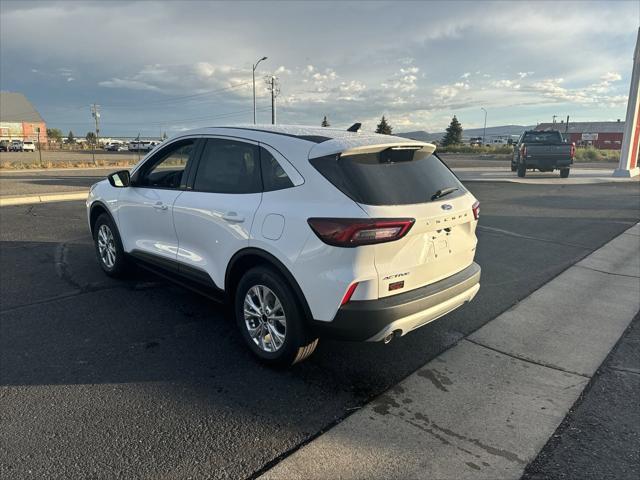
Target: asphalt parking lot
<point>142,378</point>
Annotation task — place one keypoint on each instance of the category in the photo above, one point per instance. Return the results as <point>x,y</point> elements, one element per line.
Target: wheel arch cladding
<point>97,209</point>
<point>248,258</point>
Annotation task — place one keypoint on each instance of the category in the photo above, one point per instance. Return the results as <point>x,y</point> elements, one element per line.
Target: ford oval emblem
<point>446,206</point>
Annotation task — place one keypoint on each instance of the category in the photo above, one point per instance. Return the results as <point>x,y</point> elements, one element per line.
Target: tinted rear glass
<point>390,177</point>
<point>542,137</point>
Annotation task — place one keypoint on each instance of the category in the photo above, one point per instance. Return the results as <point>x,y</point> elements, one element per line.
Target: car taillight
<point>349,293</point>
<point>476,210</point>
<point>572,153</point>
<point>353,232</point>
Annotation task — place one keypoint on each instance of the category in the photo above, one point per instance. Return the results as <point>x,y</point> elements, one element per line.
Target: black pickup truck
<point>545,151</point>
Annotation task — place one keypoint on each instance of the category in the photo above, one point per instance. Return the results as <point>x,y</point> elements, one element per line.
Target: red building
<point>605,135</point>
<point>19,120</point>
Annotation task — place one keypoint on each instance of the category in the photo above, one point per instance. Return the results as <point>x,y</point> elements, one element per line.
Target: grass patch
<point>501,150</point>
<point>597,155</point>
<point>65,164</point>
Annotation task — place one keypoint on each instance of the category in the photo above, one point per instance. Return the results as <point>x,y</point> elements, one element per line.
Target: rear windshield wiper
<point>441,193</point>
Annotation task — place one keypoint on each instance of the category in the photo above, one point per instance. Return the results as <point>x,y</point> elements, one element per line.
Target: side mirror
<point>120,179</point>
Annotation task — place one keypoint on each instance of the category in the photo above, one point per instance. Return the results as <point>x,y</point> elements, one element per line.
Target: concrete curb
<point>487,406</point>
<point>578,176</point>
<point>43,198</point>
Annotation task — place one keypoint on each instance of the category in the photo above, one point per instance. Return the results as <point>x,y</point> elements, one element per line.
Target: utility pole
<point>255,65</point>
<point>95,113</point>
<point>484,132</point>
<point>39,147</point>
<point>274,88</point>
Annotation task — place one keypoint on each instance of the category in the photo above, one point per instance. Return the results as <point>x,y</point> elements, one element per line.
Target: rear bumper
<point>548,163</point>
<point>373,320</point>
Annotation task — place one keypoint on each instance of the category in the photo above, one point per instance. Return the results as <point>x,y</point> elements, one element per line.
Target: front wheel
<point>513,167</point>
<point>564,173</point>
<point>270,319</point>
<point>109,251</point>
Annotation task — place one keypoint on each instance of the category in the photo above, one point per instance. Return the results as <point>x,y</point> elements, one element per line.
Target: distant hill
<point>423,136</point>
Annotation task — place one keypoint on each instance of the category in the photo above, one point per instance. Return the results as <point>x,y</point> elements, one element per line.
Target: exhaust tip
<point>391,336</point>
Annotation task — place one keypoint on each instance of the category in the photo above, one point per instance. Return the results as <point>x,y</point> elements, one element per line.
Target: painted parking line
<point>486,407</point>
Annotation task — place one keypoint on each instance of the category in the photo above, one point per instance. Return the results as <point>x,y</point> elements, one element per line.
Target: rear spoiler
<point>428,148</point>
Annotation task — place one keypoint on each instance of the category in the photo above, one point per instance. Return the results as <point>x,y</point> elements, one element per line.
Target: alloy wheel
<point>265,319</point>
<point>106,246</point>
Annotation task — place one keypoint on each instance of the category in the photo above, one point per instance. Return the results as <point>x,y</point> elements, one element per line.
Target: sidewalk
<point>486,407</point>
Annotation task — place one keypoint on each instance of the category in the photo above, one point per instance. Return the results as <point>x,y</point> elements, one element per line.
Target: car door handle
<point>232,217</point>
<point>160,206</point>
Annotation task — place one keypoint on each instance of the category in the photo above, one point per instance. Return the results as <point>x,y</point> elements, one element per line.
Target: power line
<point>179,98</point>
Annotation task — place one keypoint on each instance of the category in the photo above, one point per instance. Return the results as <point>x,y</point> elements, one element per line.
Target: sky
<point>170,66</point>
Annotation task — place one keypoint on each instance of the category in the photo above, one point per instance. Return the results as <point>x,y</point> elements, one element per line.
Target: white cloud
<point>611,77</point>
<point>505,84</point>
<point>282,70</point>
<point>130,84</point>
<point>465,75</point>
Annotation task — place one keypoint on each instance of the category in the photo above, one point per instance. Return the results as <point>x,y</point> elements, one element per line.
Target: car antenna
<point>355,127</point>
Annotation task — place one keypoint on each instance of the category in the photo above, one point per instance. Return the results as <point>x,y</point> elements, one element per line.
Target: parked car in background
<point>307,232</point>
<point>545,151</point>
<point>15,146</point>
<point>4,145</point>
<point>142,145</point>
<point>28,146</point>
<point>116,147</point>
<point>475,141</point>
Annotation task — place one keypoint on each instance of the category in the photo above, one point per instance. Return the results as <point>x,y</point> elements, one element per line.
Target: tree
<point>164,136</point>
<point>454,133</point>
<point>54,135</point>
<point>71,138</point>
<point>384,127</point>
<point>91,138</point>
<point>325,122</point>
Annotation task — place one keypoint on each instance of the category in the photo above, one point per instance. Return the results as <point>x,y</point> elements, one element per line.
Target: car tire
<point>564,173</point>
<point>273,326</point>
<point>513,167</point>
<point>111,256</point>
<point>522,170</point>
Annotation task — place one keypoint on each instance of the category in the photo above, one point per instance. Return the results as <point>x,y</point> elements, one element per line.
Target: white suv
<point>308,232</point>
<point>28,146</point>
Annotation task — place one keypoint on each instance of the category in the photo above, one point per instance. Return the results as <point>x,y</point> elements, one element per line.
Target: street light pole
<point>254,88</point>
<point>484,132</point>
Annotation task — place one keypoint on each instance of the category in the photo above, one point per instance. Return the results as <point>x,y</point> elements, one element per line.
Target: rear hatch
<point>401,182</point>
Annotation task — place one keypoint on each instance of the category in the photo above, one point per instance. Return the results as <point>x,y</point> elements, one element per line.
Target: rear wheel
<point>522,170</point>
<point>270,319</point>
<point>564,173</point>
<point>109,251</point>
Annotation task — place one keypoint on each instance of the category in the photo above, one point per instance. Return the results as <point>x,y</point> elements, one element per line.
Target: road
<point>141,378</point>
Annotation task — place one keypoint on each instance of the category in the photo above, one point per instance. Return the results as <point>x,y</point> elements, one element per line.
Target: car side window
<point>166,169</point>
<point>228,166</point>
<point>273,175</point>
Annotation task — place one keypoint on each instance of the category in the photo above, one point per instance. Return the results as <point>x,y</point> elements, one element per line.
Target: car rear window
<point>390,177</point>
<point>542,137</point>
